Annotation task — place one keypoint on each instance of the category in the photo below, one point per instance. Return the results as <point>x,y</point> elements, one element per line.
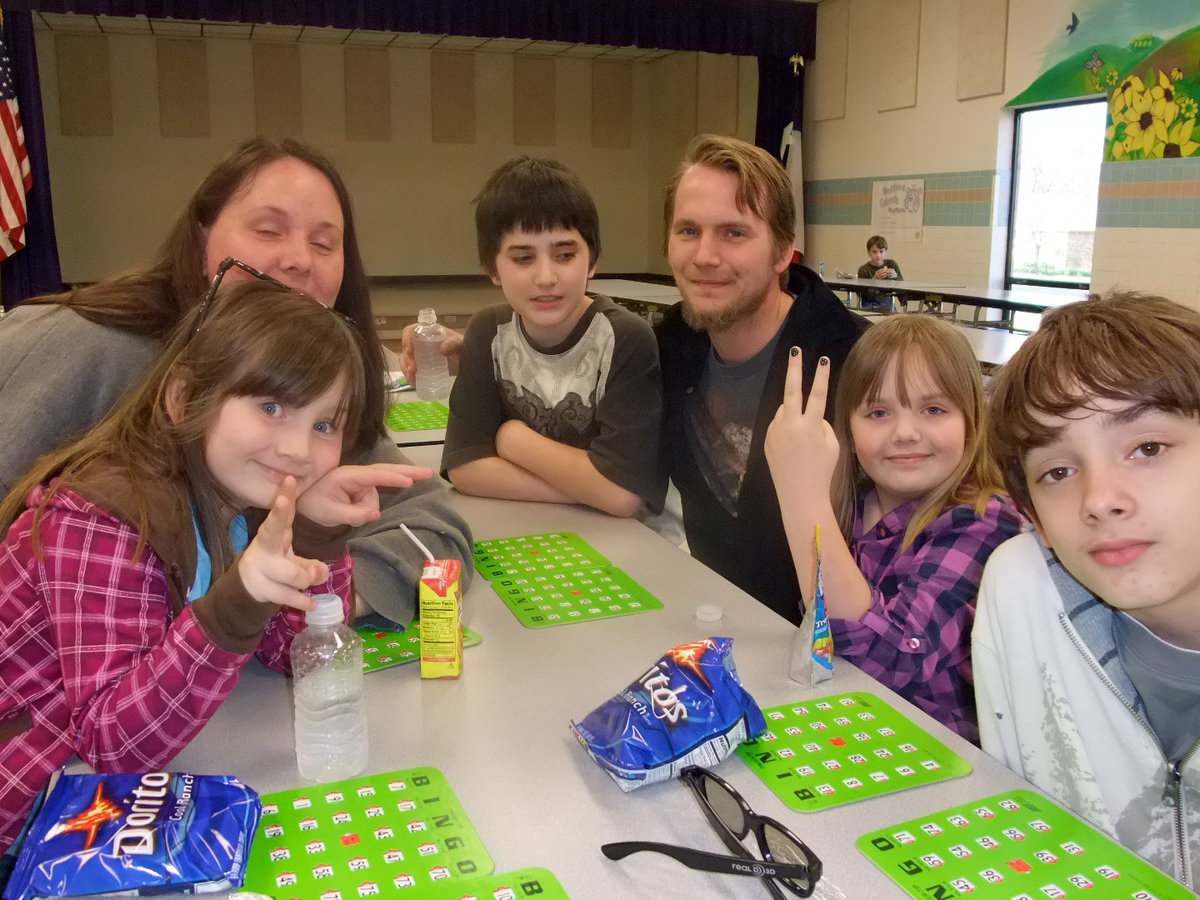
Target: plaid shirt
<point>89,645</point>
<point>916,636</point>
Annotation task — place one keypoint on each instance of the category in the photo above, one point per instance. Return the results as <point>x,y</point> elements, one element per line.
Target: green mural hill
<point>1182,52</point>
<point>1072,77</point>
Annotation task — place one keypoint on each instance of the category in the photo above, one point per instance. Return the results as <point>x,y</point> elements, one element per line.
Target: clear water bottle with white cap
<point>331,710</point>
<point>433,372</point>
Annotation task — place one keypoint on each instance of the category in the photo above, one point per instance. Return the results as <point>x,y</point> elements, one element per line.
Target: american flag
<point>15,176</point>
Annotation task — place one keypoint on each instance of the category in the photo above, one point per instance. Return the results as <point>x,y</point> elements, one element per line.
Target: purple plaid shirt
<point>916,637</point>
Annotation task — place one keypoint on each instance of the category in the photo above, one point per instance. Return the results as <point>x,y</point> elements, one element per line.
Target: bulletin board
<point>898,209</point>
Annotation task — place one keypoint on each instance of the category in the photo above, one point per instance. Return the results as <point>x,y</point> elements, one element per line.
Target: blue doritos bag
<point>152,833</point>
<point>688,709</point>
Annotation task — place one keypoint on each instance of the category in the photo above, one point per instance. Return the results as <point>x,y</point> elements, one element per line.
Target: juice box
<point>440,603</point>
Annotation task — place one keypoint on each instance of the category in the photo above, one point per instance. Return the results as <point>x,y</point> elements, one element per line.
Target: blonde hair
<point>259,339</point>
<point>1132,348</point>
<point>923,343</point>
<point>763,186</point>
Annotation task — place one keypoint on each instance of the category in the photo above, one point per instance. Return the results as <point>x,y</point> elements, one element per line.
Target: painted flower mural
<point>1152,110</point>
<point>1179,141</point>
<point>1135,128</point>
<point>1162,98</point>
<point>1153,84</point>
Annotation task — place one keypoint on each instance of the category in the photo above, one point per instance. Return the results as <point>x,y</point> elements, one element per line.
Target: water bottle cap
<point>426,316</point>
<point>708,612</point>
<point>328,611</point>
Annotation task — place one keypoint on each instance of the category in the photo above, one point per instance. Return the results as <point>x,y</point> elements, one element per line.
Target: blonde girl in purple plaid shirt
<point>903,473</point>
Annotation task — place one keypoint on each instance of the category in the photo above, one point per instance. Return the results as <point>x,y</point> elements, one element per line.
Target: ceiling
<point>76,23</point>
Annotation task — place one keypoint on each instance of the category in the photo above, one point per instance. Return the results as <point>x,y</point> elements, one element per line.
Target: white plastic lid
<point>328,611</point>
<point>708,612</point>
<point>426,316</point>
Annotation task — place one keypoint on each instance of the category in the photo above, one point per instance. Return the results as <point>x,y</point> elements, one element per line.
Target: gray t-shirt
<point>1167,679</point>
<point>721,415</point>
<point>600,390</point>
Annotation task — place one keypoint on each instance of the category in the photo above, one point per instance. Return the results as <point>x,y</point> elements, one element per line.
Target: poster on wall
<point>898,209</point>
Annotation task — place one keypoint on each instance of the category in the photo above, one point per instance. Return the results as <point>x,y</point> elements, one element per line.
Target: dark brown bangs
<point>1140,351</point>
<point>273,342</point>
<point>1128,348</point>
<point>535,195</point>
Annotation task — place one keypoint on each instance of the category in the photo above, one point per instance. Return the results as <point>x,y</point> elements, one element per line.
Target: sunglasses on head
<point>230,263</point>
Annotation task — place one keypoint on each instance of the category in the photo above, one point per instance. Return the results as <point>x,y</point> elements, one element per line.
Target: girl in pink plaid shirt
<point>145,562</point>
<point>904,474</point>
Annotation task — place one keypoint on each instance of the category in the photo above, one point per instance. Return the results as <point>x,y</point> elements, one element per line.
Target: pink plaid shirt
<point>90,647</point>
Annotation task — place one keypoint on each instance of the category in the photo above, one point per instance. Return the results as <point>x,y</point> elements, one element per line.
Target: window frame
<point>1010,280</point>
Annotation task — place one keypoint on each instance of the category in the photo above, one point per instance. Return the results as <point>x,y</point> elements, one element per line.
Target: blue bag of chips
<point>152,833</point>
<point>688,709</point>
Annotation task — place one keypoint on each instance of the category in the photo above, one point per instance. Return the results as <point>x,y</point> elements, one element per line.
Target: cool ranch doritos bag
<point>688,709</point>
<point>131,834</point>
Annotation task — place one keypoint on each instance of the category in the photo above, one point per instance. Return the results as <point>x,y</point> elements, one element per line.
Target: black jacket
<point>750,549</point>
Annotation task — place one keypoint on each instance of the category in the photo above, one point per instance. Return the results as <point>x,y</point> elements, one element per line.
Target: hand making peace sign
<point>801,447</point>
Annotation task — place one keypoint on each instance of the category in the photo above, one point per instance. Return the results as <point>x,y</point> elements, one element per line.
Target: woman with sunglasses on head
<point>147,560</point>
<point>281,207</point>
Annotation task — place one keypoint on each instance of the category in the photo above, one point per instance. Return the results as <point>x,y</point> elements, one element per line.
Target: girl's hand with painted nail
<point>801,447</point>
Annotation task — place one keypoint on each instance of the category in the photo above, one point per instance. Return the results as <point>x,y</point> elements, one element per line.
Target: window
<point>1055,188</point>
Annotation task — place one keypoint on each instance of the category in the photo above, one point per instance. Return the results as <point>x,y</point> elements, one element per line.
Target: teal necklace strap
<point>239,538</point>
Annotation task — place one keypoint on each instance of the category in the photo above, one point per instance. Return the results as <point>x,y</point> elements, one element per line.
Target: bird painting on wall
<point>1074,24</point>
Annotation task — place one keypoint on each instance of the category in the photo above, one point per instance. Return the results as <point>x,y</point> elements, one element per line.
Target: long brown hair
<point>151,302</point>
<point>926,344</point>
<point>258,339</point>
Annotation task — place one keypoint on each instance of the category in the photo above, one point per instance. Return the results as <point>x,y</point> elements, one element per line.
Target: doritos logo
<point>665,700</point>
<point>137,836</point>
<point>90,820</point>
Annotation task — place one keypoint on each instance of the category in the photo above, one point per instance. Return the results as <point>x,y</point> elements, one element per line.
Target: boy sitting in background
<point>878,267</point>
<point>1087,642</point>
<point>559,395</point>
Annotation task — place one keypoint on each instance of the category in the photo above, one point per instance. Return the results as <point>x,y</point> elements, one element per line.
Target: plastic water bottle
<point>331,711</point>
<point>433,372</point>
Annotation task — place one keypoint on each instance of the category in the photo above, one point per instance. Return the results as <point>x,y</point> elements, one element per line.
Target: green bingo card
<point>517,885</point>
<point>1017,846</point>
<point>575,595</point>
<point>387,647</point>
<point>558,578</point>
<point>363,837</point>
<point>416,415</point>
<point>821,753</point>
<point>535,554</point>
